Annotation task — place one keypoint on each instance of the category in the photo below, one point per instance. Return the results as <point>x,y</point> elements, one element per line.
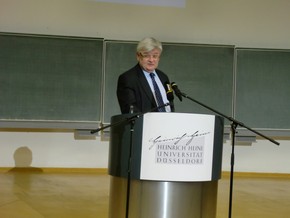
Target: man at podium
<point>145,88</point>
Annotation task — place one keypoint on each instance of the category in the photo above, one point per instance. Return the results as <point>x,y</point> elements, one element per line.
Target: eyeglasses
<point>148,56</point>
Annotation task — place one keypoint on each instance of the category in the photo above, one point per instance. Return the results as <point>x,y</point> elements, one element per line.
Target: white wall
<point>259,23</point>
<point>262,156</point>
<point>245,23</point>
<point>52,149</point>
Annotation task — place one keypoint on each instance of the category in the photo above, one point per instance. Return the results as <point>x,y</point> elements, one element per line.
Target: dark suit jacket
<point>133,89</point>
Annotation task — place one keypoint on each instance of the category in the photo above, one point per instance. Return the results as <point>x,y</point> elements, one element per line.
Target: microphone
<point>169,92</point>
<point>176,90</point>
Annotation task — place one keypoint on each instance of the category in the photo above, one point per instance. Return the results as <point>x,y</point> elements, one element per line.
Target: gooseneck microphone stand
<point>130,120</point>
<point>234,124</point>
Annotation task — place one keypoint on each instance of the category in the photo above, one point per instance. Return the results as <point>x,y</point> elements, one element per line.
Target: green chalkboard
<point>50,79</point>
<point>71,82</point>
<point>119,57</point>
<point>263,90</point>
<point>203,72</point>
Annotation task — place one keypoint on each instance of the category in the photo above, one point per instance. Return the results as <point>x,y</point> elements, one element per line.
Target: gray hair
<point>148,44</point>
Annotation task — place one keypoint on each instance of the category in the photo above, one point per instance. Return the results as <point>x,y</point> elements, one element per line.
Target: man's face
<point>149,60</point>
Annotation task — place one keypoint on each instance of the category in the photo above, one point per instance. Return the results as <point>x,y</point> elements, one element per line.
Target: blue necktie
<point>157,93</point>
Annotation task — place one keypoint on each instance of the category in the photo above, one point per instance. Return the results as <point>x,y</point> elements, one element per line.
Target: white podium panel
<point>177,147</point>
